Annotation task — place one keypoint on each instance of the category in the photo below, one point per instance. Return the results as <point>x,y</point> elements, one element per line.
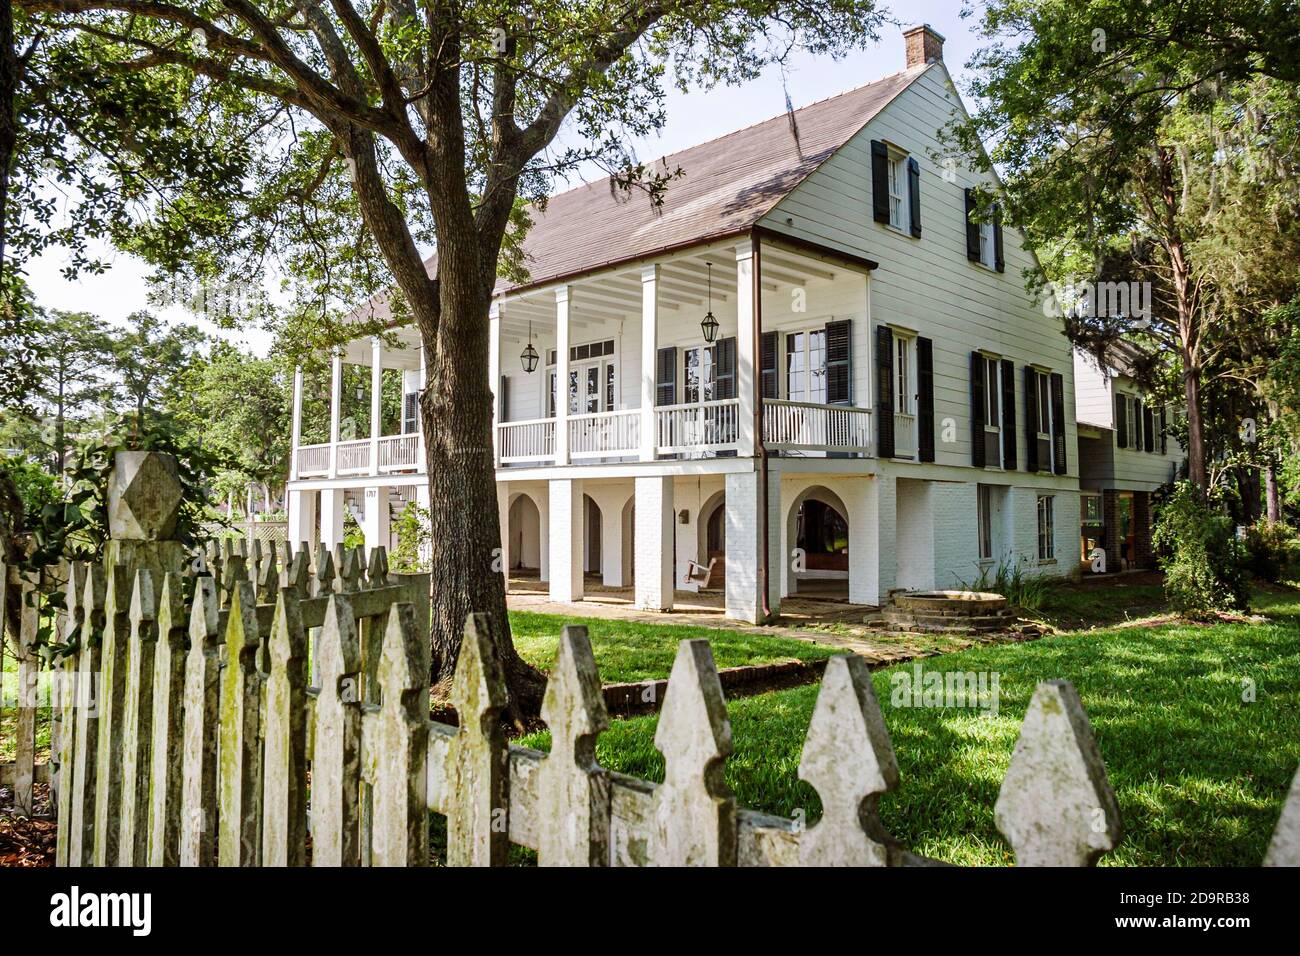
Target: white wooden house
<point>884,405</point>
<point>1126,452</point>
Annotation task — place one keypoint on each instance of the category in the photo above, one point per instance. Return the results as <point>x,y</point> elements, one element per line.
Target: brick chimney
<point>924,45</point>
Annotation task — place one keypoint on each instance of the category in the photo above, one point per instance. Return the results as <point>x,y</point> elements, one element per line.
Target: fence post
<point>239,772</point>
<point>108,754</point>
<point>284,791</point>
<point>1056,807</point>
<point>137,725</point>
<point>81,838</point>
<point>694,821</point>
<point>848,759</point>
<point>202,701</point>
<point>478,759</point>
<point>168,753</point>
<point>1284,848</point>
<point>69,705</point>
<point>28,689</point>
<point>396,745</point>
<point>573,792</point>
<point>336,757</point>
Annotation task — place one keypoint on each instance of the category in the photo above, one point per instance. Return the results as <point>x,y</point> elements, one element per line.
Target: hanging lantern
<point>709,325</point>
<point>528,357</point>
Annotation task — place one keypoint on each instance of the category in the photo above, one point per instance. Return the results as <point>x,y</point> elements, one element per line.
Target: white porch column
<point>563,303</point>
<point>649,358</point>
<point>376,402</point>
<point>744,586</point>
<point>503,511</point>
<point>745,379</point>
<point>566,521</point>
<point>336,395</point>
<point>375,523</point>
<point>331,517</point>
<point>879,522</point>
<point>301,506</point>
<point>653,535</point>
<point>494,379</point>
<point>297,426</point>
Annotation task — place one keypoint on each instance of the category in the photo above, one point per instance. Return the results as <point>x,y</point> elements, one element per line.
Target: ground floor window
<point>984,512</point>
<point>1046,528</point>
<point>1091,509</point>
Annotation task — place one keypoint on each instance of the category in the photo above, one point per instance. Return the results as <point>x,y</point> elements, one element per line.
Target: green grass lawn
<point>1200,773</point>
<point>627,651</point>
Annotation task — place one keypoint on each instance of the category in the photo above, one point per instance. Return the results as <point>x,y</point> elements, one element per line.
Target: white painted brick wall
<point>915,534</point>
<point>654,543</point>
<point>566,513</point>
<point>956,533</point>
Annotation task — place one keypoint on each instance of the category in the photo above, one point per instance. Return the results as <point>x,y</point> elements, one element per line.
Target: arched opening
<point>629,541</point>
<point>525,536</point>
<point>818,531</point>
<point>591,538</point>
<point>712,541</point>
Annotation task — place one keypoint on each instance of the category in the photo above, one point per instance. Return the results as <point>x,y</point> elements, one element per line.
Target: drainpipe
<point>759,447</point>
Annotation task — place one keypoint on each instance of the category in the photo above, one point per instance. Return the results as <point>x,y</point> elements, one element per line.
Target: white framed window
<point>904,400</point>
<point>1130,409</point>
<point>898,190</point>
<point>805,366</point>
<point>698,374</point>
<point>988,252</point>
<point>992,410</point>
<point>984,517</point>
<point>1046,529</point>
<point>1044,404</point>
<point>593,378</point>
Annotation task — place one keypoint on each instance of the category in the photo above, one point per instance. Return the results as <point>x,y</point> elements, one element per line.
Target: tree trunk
<point>1272,497</point>
<point>8,121</point>
<point>467,567</point>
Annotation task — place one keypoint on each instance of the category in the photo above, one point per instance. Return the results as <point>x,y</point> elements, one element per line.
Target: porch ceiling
<point>683,283</point>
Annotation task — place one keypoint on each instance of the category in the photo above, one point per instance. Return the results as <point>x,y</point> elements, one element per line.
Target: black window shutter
<point>914,195</point>
<point>767,358</point>
<point>925,400</point>
<point>1058,423</point>
<point>411,412</point>
<point>1031,420</point>
<point>1149,429</point>
<point>879,181</point>
<point>1121,421</point>
<point>1164,433</point>
<point>666,377</point>
<point>724,368</point>
<point>977,404</point>
<point>884,392</point>
<point>999,262</point>
<point>1008,413</point>
<point>839,362</point>
<point>504,398</point>
<point>972,228</point>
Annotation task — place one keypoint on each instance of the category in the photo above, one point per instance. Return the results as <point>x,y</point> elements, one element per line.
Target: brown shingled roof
<point>728,185</point>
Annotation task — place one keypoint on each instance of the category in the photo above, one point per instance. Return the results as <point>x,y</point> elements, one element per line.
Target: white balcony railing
<point>527,441</point>
<point>697,427</point>
<point>399,452</point>
<point>904,435</point>
<point>313,460</point>
<point>605,434</point>
<point>353,457</point>
<point>805,426</point>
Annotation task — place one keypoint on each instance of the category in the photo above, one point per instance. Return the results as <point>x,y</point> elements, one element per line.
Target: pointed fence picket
<point>191,729</point>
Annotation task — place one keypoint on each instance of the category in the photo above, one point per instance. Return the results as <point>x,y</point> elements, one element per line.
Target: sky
<point>691,118</point>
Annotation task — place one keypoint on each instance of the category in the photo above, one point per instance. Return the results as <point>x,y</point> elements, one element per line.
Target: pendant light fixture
<point>709,325</point>
<point>528,357</point>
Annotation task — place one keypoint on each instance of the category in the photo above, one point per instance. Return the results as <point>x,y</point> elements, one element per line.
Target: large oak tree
<point>391,126</point>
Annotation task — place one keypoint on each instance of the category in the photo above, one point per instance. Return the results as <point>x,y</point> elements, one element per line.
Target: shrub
<point>1010,579</point>
<point>413,537</point>
<point>353,536</point>
<point>1270,546</point>
<point>1203,562</point>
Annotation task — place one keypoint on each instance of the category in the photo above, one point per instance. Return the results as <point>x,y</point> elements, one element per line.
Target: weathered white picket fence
<point>280,717</point>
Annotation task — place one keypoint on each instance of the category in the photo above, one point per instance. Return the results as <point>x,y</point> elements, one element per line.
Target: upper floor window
<point>1044,405</point>
<point>897,190</point>
<point>903,400</point>
<point>805,366</point>
<point>987,247</point>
